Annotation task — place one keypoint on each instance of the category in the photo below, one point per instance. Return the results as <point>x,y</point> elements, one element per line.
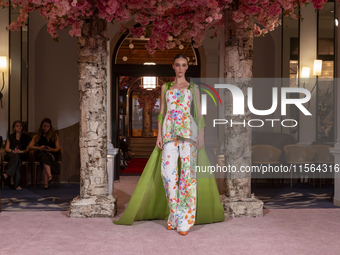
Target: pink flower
<point>181,19</point>
<point>257,30</point>
<point>293,16</point>
<point>209,19</point>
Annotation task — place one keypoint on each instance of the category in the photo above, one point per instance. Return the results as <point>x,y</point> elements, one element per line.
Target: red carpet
<point>135,166</point>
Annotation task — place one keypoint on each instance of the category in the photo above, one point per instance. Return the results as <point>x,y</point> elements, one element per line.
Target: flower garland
<point>169,22</point>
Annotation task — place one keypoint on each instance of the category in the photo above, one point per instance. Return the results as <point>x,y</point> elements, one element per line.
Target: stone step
<point>135,141</point>
<point>141,154</point>
<point>142,147</point>
<point>145,149</point>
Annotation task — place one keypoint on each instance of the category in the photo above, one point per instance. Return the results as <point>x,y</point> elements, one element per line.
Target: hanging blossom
<point>126,81</point>
<point>61,14</point>
<point>146,96</point>
<point>267,12</point>
<point>166,22</point>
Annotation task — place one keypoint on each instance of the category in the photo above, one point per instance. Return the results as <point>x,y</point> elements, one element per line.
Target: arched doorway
<point>130,64</point>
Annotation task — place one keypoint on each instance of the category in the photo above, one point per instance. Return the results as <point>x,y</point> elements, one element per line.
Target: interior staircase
<point>142,147</point>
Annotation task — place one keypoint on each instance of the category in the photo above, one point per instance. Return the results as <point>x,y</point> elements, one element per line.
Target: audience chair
<point>5,163</point>
<point>298,155</point>
<point>265,154</point>
<point>323,157</point>
<point>37,164</point>
<point>25,163</point>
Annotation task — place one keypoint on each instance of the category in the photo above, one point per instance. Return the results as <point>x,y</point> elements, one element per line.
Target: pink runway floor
<point>280,231</point>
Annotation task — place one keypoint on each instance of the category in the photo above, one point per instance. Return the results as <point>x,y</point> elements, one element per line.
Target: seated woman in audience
<point>46,143</point>
<point>17,152</point>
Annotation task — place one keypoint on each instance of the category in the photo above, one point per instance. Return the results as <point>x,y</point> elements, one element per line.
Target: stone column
<point>238,201</point>
<point>94,200</point>
<point>4,51</point>
<point>308,35</point>
<point>336,149</point>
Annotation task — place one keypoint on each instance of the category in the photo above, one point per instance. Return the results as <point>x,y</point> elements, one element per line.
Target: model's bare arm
<point>162,111</point>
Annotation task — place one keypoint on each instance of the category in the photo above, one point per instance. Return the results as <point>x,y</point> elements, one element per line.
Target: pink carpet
<point>280,231</point>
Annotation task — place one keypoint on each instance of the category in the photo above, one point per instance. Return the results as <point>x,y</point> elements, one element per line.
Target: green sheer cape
<point>148,201</point>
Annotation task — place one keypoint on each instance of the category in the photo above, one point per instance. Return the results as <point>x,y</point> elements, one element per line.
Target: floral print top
<point>178,121</point>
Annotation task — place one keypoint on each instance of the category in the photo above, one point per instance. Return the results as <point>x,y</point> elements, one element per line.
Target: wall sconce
<point>305,74</point>
<point>317,69</point>
<point>3,70</point>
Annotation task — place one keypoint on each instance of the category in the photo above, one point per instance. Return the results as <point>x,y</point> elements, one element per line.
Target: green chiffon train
<point>148,201</point>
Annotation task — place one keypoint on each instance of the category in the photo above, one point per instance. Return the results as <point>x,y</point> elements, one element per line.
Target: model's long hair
<point>180,56</point>
<point>16,122</point>
<point>50,134</point>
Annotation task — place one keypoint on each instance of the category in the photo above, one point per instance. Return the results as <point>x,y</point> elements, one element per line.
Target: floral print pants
<point>181,197</point>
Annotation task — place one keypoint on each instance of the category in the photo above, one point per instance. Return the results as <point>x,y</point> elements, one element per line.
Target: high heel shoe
<point>183,233</point>
<point>50,180</point>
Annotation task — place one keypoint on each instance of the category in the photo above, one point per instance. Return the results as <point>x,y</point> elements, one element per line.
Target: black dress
<point>14,160</point>
<point>49,158</point>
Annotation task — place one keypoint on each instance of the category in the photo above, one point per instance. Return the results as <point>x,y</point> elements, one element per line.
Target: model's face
<point>46,127</point>
<point>18,127</point>
<point>180,66</point>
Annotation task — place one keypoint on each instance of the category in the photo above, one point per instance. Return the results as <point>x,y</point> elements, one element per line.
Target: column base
<point>92,207</point>
<point>243,207</point>
<point>111,154</point>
